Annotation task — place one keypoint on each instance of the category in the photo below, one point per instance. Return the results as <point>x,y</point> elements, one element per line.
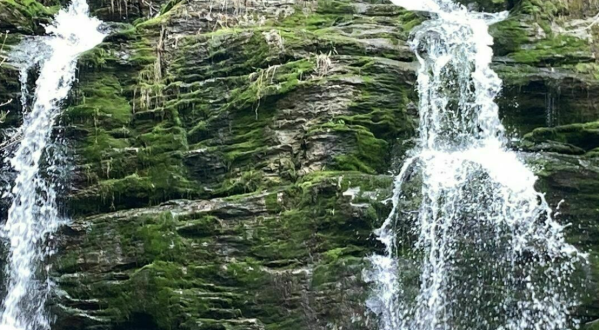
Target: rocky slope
<point>232,157</point>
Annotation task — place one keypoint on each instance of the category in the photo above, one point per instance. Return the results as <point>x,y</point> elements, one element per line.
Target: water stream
<point>470,243</point>
<point>33,215</point>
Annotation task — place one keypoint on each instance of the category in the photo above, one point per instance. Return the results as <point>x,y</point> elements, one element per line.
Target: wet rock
<point>232,157</point>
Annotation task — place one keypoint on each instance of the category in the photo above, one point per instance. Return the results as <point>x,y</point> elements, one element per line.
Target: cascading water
<point>33,214</point>
<point>486,250</point>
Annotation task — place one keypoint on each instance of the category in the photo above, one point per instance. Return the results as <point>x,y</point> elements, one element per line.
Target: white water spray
<point>488,254</point>
<point>33,215</point>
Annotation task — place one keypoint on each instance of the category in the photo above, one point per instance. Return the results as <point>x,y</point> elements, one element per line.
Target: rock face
<point>232,157</point>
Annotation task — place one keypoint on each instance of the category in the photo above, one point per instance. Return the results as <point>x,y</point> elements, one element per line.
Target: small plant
<point>261,82</point>
<point>323,64</point>
<point>274,40</point>
<point>3,114</point>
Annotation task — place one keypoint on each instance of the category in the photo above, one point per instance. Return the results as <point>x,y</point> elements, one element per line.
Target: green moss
<point>593,153</point>
<point>132,187</point>
<point>518,38</point>
<point>314,21</point>
<point>166,13</point>
<point>541,10</point>
<point>250,181</point>
<point>180,267</point>
<point>584,136</point>
<point>328,273</point>
<point>335,7</point>
<point>509,35</point>
<point>102,104</point>
<point>205,226</point>
<point>559,49</point>
<point>370,155</point>
<point>486,5</point>
<point>148,292</point>
<point>160,240</point>
<point>273,204</point>
<point>97,57</point>
<point>24,15</point>
<point>99,143</point>
<point>214,104</point>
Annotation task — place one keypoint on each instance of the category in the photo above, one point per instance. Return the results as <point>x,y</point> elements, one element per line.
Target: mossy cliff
<point>232,157</point>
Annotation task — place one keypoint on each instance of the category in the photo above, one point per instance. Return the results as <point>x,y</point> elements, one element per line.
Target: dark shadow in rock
<point>540,101</point>
<point>139,321</point>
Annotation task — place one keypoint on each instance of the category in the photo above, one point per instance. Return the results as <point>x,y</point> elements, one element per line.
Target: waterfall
<point>469,243</point>
<point>33,215</point>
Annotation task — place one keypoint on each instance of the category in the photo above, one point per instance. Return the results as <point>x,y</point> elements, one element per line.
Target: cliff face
<point>232,157</point>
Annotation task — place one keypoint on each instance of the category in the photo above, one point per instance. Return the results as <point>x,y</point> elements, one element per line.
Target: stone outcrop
<point>231,158</point>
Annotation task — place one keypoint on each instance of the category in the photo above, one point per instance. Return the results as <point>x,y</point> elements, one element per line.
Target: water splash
<point>422,5</point>
<point>33,215</point>
<point>486,250</point>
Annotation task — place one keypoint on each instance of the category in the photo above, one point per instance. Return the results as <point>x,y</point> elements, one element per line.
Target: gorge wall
<point>230,159</point>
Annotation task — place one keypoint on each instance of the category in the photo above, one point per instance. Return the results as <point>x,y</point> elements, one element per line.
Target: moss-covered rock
<point>232,157</point>
<point>214,168</point>
<point>25,16</point>
<point>583,137</point>
<point>263,260</point>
